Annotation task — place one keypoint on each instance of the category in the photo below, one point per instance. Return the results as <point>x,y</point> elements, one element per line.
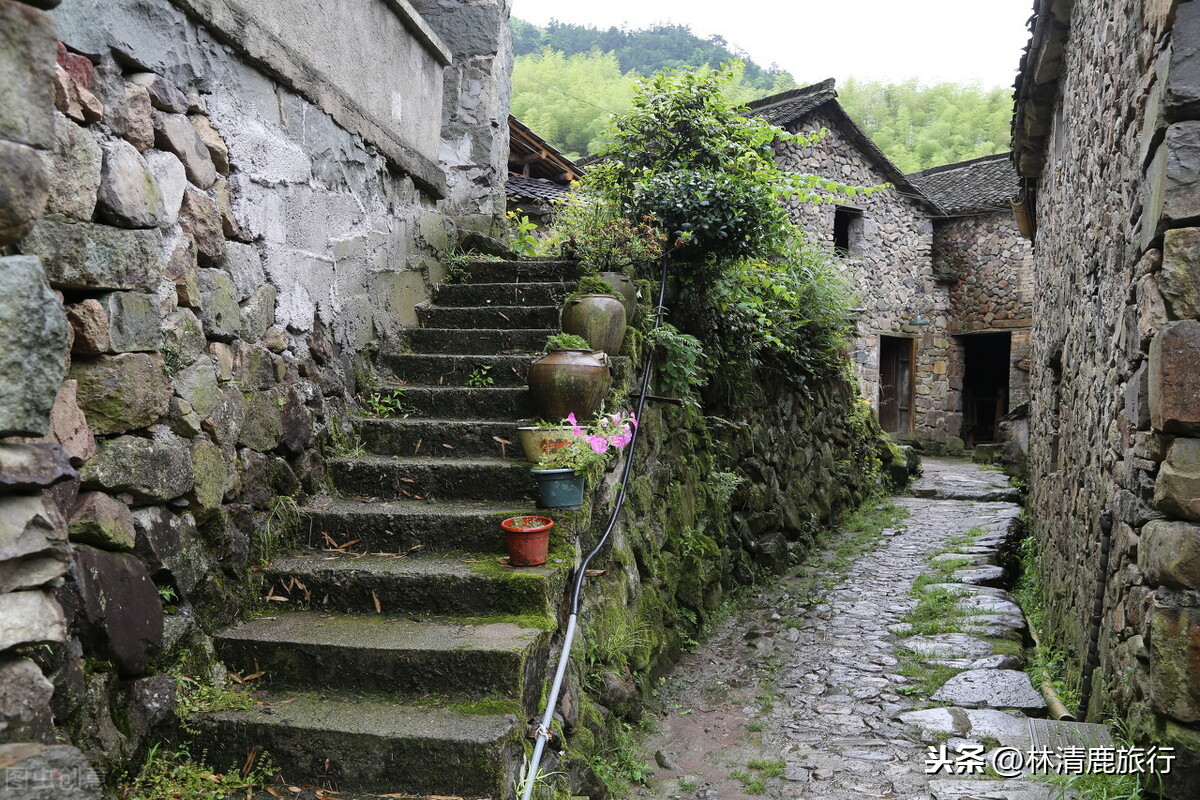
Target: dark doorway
<point>985,385</point>
<point>896,384</point>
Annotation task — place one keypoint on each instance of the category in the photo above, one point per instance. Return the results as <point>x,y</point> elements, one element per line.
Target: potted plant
<point>527,539</point>
<point>561,474</point>
<point>596,312</point>
<point>542,438</point>
<point>569,379</point>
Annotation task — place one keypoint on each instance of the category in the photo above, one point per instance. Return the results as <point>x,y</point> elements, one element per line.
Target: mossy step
<point>515,271</point>
<point>506,317</point>
<point>438,479</point>
<point>469,341</point>
<point>401,655</point>
<point>444,438</point>
<point>461,402</point>
<point>475,584</point>
<point>526,293</point>
<point>376,745</point>
<point>400,525</point>
<point>437,369</point>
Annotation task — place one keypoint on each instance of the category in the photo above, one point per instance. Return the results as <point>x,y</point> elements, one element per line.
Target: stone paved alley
<point>817,686</point>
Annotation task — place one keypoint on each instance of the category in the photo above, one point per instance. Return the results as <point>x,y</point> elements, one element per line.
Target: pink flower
<point>576,431</point>
<point>599,444</point>
<point>621,439</point>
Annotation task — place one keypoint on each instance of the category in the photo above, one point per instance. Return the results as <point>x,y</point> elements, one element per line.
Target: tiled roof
<point>787,108</point>
<point>534,190</point>
<point>780,109</point>
<point>982,183</point>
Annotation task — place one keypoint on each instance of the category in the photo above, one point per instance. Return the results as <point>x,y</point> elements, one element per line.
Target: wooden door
<point>895,384</point>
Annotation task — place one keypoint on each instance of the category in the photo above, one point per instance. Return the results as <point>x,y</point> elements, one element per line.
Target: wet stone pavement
<point>794,699</point>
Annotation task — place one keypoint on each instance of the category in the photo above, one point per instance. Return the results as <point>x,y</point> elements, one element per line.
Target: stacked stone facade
<point>1106,135</point>
<point>201,245</point>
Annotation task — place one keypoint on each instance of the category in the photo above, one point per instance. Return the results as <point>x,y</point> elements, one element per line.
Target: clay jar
<point>599,318</point>
<point>624,286</point>
<point>564,382</point>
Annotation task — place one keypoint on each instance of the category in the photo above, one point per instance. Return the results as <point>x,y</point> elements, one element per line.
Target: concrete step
<point>464,402</point>
<point>444,438</point>
<point>515,271</point>
<point>398,526</point>
<point>456,370</point>
<point>475,585</point>
<point>364,744</point>
<point>502,294</point>
<point>403,656</point>
<point>508,317</point>
<point>467,341</point>
<point>441,479</point>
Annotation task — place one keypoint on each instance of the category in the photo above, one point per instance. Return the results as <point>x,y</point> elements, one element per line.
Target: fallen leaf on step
<point>375,597</point>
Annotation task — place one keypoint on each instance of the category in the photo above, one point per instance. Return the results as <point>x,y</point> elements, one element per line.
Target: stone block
<point>183,339</point>
<point>1183,79</point>
<point>222,356</point>
<point>129,194</point>
<point>164,94</point>
<point>1181,202</point>
<point>200,219</point>
<point>120,614</point>
<point>255,367</point>
<point>102,521</point>
<point>220,313</point>
<point>1175,654</point>
<point>24,703</point>
<point>55,772</point>
<point>170,547</point>
<point>1169,554</point>
<point>73,171</point>
<point>211,471</point>
<point>297,421</point>
<point>79,255</point>
<point>176,134</point>
<point>212,140</point>
<point>258,313</point>
<point>68,426</point>
<point>1137,399</point>
<point>123,392</point>
<point>244,265</point>
<point>32,467</point>
<point>89,327</point>
<point>1151,311</point>
<point>1177,490</point>
<point>151,702</point>
<point>134,324</point>
<point>991,688</point>
<point>74,100</point>
<point>27,65</point>
<point>151,471</point>
<point>30,617</point>
<point>182,418</point>
<point>181,270</point>
<point>24,190</point>
<point>139,129</point>
<point>33,545</point>
<point>33,347</point>
<point>198,385</point>
<point>1180,278</point>
<point>1174,378</point>
<point>262,426</point>
<point>224,424</point>
<point>171,178</point>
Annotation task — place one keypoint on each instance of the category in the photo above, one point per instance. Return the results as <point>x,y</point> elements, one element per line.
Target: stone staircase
<point>407,659</point>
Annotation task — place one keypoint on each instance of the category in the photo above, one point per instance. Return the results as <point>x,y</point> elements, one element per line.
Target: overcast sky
<point>966,41</point>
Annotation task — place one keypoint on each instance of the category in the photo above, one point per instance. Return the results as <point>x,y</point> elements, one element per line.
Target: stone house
<point>1105,136</point>
<point>211,213</point>
<point>937,264</point>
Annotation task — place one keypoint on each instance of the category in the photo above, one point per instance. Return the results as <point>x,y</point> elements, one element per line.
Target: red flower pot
<point>528,540</point>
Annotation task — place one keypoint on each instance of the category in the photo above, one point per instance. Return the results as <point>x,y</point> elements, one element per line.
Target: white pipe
<point>543,732</point>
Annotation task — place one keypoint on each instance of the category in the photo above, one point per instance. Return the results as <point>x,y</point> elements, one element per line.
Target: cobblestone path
<point>817,686</point>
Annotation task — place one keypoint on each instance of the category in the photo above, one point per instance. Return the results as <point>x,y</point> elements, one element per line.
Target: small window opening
<point>847,228</point>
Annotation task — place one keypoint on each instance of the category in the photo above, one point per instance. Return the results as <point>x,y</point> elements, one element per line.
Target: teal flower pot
<point>560,488</point>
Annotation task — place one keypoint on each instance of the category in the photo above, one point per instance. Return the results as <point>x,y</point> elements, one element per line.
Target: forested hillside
<point>568,79</point>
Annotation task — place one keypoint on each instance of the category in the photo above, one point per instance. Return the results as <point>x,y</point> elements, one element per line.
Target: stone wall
<point>891,267</point>
<point>199,249</point>
<point>687,538</point>
<point>989,266</point>
<point>1106,128</point>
